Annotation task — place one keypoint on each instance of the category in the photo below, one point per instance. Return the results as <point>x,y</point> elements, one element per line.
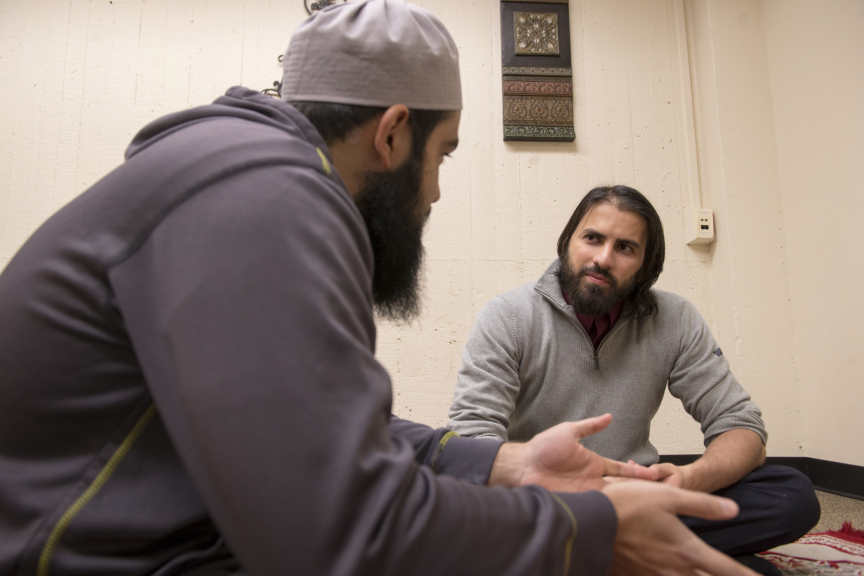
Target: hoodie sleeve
<point>445,452</point>
<point>248,306</point>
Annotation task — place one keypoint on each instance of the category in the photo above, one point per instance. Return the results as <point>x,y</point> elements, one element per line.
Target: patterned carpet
<point>834,553</point>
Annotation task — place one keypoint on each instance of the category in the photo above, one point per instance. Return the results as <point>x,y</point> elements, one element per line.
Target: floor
<point>836,510</point>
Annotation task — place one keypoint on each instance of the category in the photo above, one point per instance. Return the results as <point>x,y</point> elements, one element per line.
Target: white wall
<point>816,58</point>
<point>81,77</point>
<point>739,178</point>
<point>78,78</point>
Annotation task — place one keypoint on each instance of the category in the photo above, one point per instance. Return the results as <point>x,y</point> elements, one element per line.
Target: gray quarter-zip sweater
<point>529,364</point>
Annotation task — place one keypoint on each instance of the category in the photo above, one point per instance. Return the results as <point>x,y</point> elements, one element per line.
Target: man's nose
<point>605,257</point>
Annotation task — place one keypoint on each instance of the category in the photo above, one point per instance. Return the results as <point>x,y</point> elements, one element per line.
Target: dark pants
<point>777,506</point>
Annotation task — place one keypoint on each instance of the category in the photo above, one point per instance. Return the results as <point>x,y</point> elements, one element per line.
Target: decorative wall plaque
<point>536,33</point>
<point>536,65</point>
<point>538,110</point>
<point>528,71</point>
<point>537,87</point>
<point>533,133</point>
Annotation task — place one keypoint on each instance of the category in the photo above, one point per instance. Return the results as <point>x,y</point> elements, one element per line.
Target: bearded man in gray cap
<point>187,354</point>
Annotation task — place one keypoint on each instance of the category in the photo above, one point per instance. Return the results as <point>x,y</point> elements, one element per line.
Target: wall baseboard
<point>834,477</point>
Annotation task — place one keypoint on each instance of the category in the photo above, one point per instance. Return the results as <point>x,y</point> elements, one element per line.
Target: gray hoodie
<point>188,382</point>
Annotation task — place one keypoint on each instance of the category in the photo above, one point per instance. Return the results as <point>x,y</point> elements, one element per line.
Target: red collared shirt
<point>597,327</point>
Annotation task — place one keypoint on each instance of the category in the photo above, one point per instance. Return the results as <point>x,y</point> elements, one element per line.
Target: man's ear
<point>393,137</point>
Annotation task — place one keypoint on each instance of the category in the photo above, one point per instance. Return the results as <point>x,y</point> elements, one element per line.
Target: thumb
<point>589,426</point>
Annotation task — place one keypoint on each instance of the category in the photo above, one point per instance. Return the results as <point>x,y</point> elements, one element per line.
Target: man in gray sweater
<point>592,336</point>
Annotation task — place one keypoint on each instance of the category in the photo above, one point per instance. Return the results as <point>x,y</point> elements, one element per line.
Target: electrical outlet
<point>701,227</point>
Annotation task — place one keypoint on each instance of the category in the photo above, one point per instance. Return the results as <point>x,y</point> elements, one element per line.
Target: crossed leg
<point>778,505</point>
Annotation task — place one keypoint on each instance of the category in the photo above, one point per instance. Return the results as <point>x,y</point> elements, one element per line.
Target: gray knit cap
<point>373,53</point>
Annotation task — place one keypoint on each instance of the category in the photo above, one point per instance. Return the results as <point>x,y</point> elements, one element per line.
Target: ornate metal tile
<point>534,71</point>
<point>538,110</point>
<point>546,87</point>
<point>536,33</point>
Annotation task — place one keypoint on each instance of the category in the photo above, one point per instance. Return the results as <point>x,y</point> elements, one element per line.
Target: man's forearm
<point>731,456</point>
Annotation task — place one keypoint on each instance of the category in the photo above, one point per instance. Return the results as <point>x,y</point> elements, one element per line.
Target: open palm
<point>556,459</point>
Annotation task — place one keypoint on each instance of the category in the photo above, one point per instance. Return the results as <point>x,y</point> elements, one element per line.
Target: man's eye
<point>625,248</point>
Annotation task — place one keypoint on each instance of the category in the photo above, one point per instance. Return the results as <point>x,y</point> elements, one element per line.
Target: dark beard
<point>588,298</point>
<point>390,204</point>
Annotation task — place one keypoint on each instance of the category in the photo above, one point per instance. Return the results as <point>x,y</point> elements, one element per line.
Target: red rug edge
<point>848,533</point>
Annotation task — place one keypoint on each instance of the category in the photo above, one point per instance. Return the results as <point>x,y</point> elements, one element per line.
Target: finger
<point>640,473</point>
<point>662,470</point>
<point>644,473</point>
<point>688,503</point>
<point>674,480</point>
<point>708,560</point>
<point>583,428</point>
<point>614,479</point>
<point>629,470</point>
<point>653,474</point>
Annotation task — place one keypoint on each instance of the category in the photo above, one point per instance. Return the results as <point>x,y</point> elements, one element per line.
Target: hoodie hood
<point>246,104</point>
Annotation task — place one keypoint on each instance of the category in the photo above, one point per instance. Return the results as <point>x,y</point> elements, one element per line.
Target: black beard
<point>588,298</point>
<point>390,203</point>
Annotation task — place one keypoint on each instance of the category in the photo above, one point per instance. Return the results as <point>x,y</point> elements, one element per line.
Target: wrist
<point>691,477</point>
<point>686,477</point>
<point>508,467</point>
